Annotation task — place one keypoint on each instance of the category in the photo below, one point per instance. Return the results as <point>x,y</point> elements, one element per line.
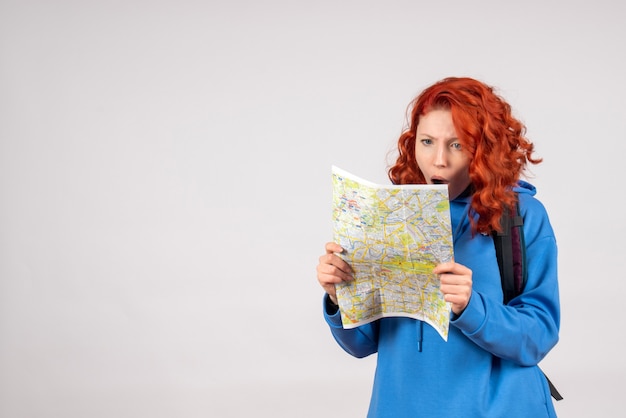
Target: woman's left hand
<point>456,284</point>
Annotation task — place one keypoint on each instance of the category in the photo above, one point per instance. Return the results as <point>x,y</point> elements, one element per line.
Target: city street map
<point>393,236</point>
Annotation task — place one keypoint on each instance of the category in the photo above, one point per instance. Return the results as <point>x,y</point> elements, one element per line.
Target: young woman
<point>461,133</point>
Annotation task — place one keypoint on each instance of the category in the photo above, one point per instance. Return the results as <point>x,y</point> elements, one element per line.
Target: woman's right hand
<point>332,269</point>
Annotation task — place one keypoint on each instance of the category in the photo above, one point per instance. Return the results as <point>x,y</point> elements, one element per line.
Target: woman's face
<point>439,154</point>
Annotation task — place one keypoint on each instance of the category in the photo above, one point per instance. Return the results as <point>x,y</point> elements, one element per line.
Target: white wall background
<point>165,190</point>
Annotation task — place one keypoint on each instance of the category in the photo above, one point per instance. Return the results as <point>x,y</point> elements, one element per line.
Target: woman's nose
<point>440,157</point>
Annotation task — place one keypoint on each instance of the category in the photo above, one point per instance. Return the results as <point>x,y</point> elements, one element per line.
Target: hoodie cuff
<point>331,312</point>
<point>473,317</point>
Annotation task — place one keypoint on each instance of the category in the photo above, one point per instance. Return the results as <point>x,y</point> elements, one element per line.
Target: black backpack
<point>511,254</point>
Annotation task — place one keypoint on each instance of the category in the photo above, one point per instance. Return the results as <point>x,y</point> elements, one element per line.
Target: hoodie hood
<point>525,188</point>
<point>459,207</point>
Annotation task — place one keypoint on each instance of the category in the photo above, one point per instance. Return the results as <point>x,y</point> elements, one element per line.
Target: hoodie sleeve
<point>526,329</point>
<point>358,342</point>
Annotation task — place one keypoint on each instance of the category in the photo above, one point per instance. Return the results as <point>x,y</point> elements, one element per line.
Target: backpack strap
<point>553,390</point>
<point>511,254</point>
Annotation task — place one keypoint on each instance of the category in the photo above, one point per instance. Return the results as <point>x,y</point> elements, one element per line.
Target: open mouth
<point>439,181</point>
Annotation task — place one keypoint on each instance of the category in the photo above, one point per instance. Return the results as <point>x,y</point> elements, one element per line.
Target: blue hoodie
<point>488,367</point>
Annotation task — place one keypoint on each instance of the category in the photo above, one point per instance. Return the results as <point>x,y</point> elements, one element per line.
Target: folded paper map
<point>393,236</point>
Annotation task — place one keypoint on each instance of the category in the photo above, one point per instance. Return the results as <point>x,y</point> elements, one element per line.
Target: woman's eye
<point>456,146</point>
<point>426,141</point>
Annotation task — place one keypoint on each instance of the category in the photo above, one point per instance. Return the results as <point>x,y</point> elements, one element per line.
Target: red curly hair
<point>488,132</point>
